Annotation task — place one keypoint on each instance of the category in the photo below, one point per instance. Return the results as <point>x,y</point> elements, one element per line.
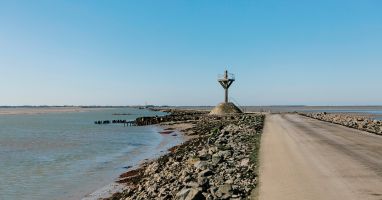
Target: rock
<point>225,189</point>
<point>163,190</point>
<point>230,181</point>
<point>225,132</point>
<point>203,182</point>
<point>190,194</point>
<point>225,108</point>
<point>226,196</point>
<point>216,158</point>
<point>201,164</point>
<point>203,152</point>
<point>192,160</point>
<point>212,150</point>
<point>185,178</point>
<point>206,172</point>
<point>244,162</point>
<point>152,188</point>
<point>224,154</point>
<point>213,166</point>
<point>152,168</point>
<point>192,184</point>
<point>358,122</point>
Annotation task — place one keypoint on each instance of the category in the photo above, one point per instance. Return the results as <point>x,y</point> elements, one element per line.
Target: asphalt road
<point>303,158</point>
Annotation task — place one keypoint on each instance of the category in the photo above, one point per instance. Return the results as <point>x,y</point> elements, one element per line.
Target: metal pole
<point>226,95</point>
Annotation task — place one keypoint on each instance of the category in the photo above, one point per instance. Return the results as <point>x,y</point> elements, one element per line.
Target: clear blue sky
<point>101,52</point>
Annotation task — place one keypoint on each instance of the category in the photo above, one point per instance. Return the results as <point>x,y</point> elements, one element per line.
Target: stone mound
<point>225,108</point>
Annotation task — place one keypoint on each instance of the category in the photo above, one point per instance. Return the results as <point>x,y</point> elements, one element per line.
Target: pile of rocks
<point>352,121</point>
<point>225,108</point>
<point>176,115</point>
<point>219,164</point>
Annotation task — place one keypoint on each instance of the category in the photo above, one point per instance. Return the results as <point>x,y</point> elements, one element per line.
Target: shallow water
<point>66,156</point>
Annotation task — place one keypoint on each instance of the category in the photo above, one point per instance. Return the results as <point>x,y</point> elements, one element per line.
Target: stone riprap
<point>220,163</point>
<point>225,108</point>
<point>175,115</point>
<point>358,122</point>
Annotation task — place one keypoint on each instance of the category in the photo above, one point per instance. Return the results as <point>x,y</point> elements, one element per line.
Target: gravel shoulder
<point>304,158</point>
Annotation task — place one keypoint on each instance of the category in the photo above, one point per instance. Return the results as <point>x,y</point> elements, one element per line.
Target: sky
<point>135,52</point>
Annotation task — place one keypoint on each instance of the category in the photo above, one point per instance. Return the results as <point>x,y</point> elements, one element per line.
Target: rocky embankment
<point>175,115</point>
<point>352,121</point>
<point>219,163</point>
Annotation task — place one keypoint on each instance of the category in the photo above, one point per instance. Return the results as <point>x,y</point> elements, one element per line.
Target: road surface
<point>304,158</point>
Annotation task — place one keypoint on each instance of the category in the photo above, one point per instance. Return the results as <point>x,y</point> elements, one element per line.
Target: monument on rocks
<point>226,107</point>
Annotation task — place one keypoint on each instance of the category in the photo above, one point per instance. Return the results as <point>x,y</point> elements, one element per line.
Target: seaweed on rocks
<point>175,115</point>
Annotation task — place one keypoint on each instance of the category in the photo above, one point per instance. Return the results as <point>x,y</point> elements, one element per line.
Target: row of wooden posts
<point>124,122</point>
<point>140,121</point>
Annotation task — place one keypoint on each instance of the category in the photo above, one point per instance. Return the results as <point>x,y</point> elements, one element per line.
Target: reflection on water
<point>65,155</point>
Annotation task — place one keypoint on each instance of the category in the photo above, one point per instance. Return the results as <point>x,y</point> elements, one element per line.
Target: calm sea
<point>66,156</point>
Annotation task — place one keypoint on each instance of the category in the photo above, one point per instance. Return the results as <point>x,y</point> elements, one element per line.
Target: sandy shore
<point>180,129</point>
<point>163,148</point>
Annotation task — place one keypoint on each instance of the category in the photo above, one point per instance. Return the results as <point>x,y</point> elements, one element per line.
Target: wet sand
<point>162,148</point>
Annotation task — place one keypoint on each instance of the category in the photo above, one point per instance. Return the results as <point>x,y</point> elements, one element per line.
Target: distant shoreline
<point>66,106</point>
<point>14,110</point>
<point>41,110</point>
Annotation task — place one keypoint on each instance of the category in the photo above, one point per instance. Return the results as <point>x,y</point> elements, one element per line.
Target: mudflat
<point>303,158</point>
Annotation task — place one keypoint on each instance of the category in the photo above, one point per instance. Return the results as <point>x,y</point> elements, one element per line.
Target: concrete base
<point>225,108</point>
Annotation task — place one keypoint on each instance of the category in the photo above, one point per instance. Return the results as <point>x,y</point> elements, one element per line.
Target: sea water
<point>66,155</point>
